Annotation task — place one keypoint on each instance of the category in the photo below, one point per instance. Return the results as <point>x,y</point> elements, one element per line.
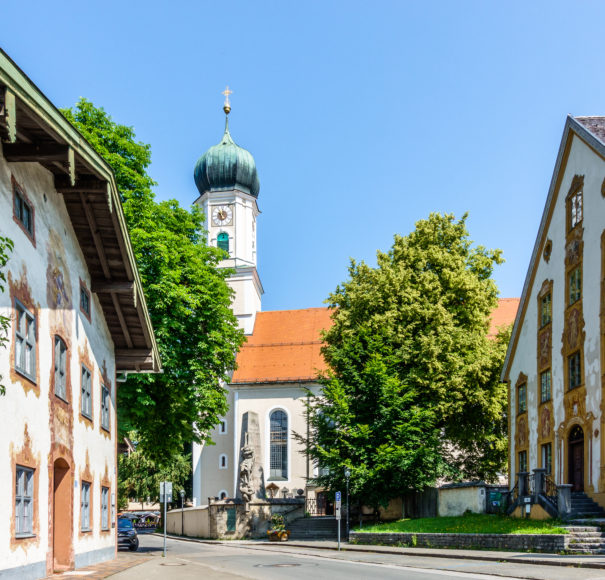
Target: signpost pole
<point>164,525</point>
<point>338,505</point>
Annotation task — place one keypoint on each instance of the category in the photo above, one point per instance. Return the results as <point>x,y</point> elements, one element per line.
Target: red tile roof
<point>285,345</point>
<point>503,315</point>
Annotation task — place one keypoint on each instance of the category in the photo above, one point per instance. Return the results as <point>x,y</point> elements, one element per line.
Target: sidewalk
<point>482,555</point>
<point>101,570</point>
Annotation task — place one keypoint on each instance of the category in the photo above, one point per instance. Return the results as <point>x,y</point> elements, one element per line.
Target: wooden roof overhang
<point>32,129</point>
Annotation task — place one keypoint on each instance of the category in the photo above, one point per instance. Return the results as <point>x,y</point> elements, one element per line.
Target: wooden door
<point>576,452</point>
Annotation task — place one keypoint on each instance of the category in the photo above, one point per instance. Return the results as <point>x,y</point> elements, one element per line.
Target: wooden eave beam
<point>105,287</point>
<point>81,185</point>
<point>8,115</point>
<point>57,153</point>
<point>92,224</point>
<point>118,308</point>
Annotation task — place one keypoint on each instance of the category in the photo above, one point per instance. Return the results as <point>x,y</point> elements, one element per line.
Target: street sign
<point>166,490</point>
<point>338,498</point>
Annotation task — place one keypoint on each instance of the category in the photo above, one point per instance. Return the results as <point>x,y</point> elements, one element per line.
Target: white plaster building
<point>555,361</point>
<point>77,319</point>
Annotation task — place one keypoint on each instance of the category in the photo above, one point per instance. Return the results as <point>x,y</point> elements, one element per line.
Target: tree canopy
<point>139,477</point>
<point>187,295</point>
<point>412,392</point>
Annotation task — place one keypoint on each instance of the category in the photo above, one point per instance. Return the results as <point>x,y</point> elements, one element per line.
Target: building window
<point>522,398</point>
<point>545,386</point>
<point>23,211</point>
<point>222,461</point>
<point>222,241</point>
<point>86,402</point>
<point>546,309</point>
<point>85,507</point>
<point>575,209</point>
<point>222,494</point>
<point>547,457</point>
<point>278,453</point>
<point>105,402</point>
<point>104,508</point>
<point>222,427</point>
<point>574,370</point>
<point>523,461</point>
<point>84,300</point>
<point>575,285</point>
<point>60,366</point>
<point>24,501</point>
<point>25,342</point>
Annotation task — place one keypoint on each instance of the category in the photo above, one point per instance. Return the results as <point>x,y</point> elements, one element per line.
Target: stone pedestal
<point>564,499</point>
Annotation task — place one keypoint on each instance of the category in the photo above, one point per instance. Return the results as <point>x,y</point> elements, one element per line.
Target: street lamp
<point>182,513</point>
<point>347,476</point>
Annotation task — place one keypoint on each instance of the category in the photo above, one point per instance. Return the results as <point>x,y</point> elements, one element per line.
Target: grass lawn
<point>470,524</point>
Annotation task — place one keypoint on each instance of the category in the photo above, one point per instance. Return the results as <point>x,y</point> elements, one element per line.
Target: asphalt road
<point>228,561</point>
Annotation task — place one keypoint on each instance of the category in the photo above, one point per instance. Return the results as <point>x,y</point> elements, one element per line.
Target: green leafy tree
<point>139,477</point>
<point>6,246</point>
<point>188,298</point>
<point>412,391</point>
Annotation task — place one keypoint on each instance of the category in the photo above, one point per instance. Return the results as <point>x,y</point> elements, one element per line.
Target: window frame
<point>84,370</point>
<point>546,455</point>
<point>85,292</point>
<point>545,373</point>
<point>223,459</point>
<point>574,285</point>
<point>577,355</point>
<point>282,443</point>
<point>104,508</point>
<point>85,523</point>
<point>576,208</point>
<point>546,300</point>
<point>221,239</point>
<point>60,368</point>
<point>24,496</point>
<point>522,388</point>
<point>105,406</point>
<point>25,338</point>
<point>21,201</point>
<point>523,462</point>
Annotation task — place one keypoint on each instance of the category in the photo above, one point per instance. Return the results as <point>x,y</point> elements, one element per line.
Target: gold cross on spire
<point>227,104</point>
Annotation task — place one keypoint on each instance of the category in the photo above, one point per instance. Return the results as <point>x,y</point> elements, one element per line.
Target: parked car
<point>127,535</point>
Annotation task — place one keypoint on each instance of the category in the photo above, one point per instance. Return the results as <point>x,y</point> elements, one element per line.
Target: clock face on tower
<point>222,215</point>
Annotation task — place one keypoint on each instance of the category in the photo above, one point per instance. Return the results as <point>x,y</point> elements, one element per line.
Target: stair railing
<point>550,490</point>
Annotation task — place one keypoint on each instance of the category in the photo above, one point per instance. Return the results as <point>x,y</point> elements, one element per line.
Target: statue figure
<point>245,471</point>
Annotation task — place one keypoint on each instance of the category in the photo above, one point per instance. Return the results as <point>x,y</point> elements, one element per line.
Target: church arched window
<point>278,453</point>
<point>222,241</point>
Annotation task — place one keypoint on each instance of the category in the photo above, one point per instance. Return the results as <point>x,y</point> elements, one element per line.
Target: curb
<point>455,555</point>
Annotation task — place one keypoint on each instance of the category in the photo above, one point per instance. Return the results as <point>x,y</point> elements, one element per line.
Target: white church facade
<point>278,365</point>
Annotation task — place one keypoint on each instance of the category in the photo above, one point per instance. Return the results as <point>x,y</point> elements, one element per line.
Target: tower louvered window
<point>278,468</point>
<point>222,241</point>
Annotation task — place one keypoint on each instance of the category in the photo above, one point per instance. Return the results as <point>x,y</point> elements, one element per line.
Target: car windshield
<point>124,524</point>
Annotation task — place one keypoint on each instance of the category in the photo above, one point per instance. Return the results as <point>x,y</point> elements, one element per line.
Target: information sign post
<point>165,497</point>
<point>338,498</point>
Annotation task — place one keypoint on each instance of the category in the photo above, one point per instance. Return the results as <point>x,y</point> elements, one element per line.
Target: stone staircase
<point>586,540</point>
<point>584,507</point>
<point>316,528</point>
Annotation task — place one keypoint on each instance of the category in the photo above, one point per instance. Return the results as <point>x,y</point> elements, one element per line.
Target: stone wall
<point>550,543</point>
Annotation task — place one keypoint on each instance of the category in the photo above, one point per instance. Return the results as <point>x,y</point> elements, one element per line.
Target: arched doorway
<point>62,517</point>
<point>576,458</point>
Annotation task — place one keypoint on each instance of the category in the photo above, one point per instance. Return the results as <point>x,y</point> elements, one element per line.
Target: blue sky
<point>363,117</point>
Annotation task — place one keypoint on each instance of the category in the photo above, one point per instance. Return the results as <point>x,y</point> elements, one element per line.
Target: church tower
<point>228,184</point>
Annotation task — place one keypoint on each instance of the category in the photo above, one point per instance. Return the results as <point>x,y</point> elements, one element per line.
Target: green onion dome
<point>226,166</point>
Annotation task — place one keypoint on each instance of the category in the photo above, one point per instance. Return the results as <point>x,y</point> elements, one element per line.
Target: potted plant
<point>277,532</point>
